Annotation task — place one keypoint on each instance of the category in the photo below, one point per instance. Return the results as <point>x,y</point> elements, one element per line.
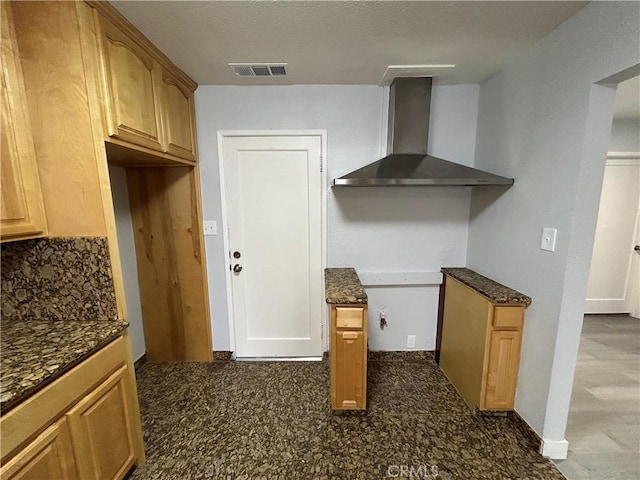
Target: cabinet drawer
<point>349,317</point>
<point>508,317</point>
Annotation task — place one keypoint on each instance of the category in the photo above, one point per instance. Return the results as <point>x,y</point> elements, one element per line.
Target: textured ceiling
<point>343,42</point>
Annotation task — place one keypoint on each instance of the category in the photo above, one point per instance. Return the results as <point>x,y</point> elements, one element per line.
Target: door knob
<point>637,248</point>
<point>237,268</point>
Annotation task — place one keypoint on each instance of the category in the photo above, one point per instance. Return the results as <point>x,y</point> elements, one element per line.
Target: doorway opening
<point>159,233</point>
<point>603,428</point>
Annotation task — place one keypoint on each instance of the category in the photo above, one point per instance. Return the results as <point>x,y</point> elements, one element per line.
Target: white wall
<point>543,121</point>
<point>625,136</point>
<point>371,229</point>
<point>127,247</point>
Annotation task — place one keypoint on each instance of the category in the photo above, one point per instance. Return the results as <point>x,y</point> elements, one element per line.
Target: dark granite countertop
<point>35,352</point>
<point>490,289</point>
<point>342,286</point>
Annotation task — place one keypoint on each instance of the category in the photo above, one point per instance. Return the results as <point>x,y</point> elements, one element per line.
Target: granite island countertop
<point>342,286</point>
<point>490,289</point>
<point>35,352</point>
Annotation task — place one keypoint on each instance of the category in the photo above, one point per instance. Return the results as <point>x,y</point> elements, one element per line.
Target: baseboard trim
<point>554,449</point>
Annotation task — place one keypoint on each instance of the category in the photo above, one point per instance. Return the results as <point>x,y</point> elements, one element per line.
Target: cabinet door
<point>502,373</point>
<point>49,456</point>
<point>130,88</point>
<point>22,210</point>
<point>179,117</point>
<point>349,370</point>
<point>101,426</point>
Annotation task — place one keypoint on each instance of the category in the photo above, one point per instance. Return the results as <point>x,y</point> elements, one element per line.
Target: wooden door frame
<point>222,134</point>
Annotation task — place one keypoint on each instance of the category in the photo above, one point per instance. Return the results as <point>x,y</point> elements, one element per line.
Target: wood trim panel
<point>121,153</point>
<point>443,289</point>
<point>134,407</point>
<point>167,222</point>
<point>464,332</point>
<point>90,55</point>
<point>30,417</point>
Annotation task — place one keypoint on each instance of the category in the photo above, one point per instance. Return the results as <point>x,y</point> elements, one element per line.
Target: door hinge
<point>321,164</point>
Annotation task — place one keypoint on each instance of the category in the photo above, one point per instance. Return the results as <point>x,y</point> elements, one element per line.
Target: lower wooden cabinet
<point>480,351</point>
<point>89,420</point>
<point>101,422</point>
<point>49,456</point>
<point>348,357</point>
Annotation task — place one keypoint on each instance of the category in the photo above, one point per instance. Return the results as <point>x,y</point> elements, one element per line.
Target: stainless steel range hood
<point>408,163</point>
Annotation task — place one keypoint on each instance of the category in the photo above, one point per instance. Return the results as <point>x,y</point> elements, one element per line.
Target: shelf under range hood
<point>408,169</point>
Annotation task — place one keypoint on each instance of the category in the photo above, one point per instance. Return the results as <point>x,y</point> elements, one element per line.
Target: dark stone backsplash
<point>64,278</point>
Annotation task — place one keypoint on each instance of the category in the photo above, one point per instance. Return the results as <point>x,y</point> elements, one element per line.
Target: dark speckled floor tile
<point>270,420</point>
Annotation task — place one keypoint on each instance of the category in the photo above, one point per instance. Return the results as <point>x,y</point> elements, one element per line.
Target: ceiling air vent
<point>259,69</point>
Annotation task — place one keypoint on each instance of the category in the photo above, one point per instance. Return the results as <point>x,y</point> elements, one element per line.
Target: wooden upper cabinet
<point>130,82</point>
<point>178,117</point>
<point>22,210</point>
<point>148,101</point>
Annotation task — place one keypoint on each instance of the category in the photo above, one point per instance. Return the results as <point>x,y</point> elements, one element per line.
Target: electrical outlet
<point>210,227</point>
<point>548,241</point>
<point>383,320</point>
<point>411,341</point>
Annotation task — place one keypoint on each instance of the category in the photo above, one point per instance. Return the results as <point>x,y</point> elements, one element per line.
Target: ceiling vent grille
<point>259,69</point>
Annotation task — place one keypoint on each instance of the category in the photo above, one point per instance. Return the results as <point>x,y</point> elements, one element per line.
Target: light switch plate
<point>548,241</point>
<point>210,227</point>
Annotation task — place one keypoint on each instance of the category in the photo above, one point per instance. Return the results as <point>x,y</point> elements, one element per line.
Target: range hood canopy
<point>408,163</point>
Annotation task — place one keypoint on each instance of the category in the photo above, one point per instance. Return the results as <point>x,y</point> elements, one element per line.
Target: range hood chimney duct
<point>407,162</point>
<point>409,112</point>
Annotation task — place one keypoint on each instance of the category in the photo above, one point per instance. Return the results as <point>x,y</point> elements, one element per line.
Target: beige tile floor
<point>604,419</point>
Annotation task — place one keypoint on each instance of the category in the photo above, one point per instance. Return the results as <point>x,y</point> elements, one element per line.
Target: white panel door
<point>273,188</point>
<point>613,279</point>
